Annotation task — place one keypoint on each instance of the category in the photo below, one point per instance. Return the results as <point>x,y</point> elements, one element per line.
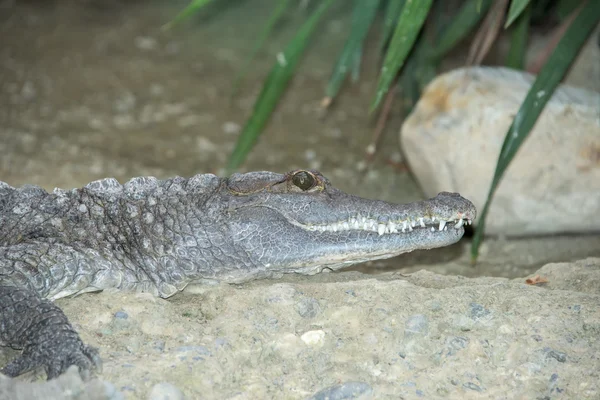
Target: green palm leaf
<point>518,42</point>
<point>275,85</point>
<point>469,15</point>
<point>516,8</point>
<point>191,9</point>
<point>362,18</point>
<point>273,19</point>
<point>409,25</point>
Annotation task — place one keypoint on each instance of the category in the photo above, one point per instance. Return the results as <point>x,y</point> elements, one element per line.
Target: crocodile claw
<point>56,356</point>
<point>45,334</point>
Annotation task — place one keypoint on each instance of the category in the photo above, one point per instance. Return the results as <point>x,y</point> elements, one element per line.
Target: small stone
<point>159,345</point>
<point>189,120</point>
<point>126,102</point>
<point>348,390</point>
<point>28,91</point>
<point>145,43</point>
<point>121,315</point>
<point>416,325</point>
<point>557,355</point>
<point>157,89</point>
<point>455,344</point>
<point>165,391</point>
<point>204,145</point>
<point>313,338</point>
<point>201,350</point>
<point>307,307</point>
<point>537,338</point>
<point>310,154</point>
<point>472,386</point>
<point>478,311</point>
<point>231,128</point>
<point>125,121</point>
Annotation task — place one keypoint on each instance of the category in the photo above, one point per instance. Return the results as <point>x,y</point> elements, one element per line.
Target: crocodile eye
<point>303,180</point>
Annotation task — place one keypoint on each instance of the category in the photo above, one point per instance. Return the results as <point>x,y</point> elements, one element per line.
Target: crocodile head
<point>298,222</point>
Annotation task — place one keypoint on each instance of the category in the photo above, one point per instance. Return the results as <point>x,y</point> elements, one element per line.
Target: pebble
<point>145,43</point>
<point>348,390</point>
<point>456,344</point>
<point>557,355</point>
<point>189,120</point>
<point>478,311</point>
<point>310,154</point>
<point>202,350</point>
<point>126,102</point>
<point>472,386</point>
<point>416,325</point>
<point>157,89</point>
<point>121,315</point>
<point>231,128</point>
<point>308,307</point>
<point>125,121</point>
<point>313,338</point>
<point>165,391</point>
<point>28,91</point>
<point>159,345</point>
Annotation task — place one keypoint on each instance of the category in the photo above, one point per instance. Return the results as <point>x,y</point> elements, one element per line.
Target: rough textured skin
<point>42,330</point>
<point>158,236</point>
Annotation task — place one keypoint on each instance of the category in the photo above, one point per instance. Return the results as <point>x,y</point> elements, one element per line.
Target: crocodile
<point>158,236</point>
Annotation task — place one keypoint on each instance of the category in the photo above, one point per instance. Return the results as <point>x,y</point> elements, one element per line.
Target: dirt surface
<point>412,337</point>
<point>92,89</point>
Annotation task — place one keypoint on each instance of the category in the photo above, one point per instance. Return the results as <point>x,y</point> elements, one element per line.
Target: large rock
<point>350,336</point>
<point>453,138</point>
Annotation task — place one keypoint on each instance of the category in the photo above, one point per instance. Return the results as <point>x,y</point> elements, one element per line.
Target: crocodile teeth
<point>391,227</point>
<point>371,225</point>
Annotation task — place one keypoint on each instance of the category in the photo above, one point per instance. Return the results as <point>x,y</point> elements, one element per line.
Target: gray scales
<point>158,236</point>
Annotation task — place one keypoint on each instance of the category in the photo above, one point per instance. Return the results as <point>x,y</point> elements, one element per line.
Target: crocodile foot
<point>44,333</point>
<point>56,355</point>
